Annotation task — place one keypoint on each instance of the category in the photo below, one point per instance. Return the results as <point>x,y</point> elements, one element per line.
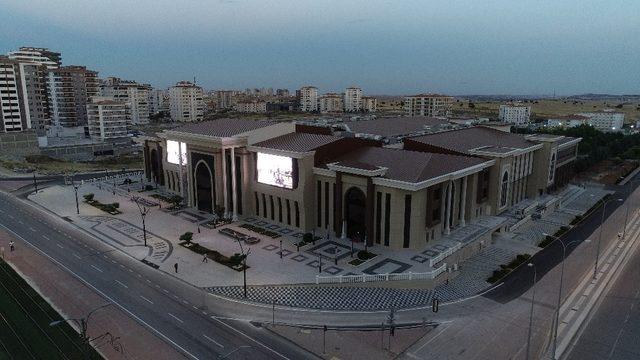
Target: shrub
<point>365,255</point>
<point>148,187</point>
<point>187,237</point>
<point>236,259</point>
<point>307,237</point>
<point>115,205</point>
<point>175,200</point>
<point>88,197</point>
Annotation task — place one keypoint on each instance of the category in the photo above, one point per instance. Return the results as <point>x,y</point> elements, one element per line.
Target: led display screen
<point>173,152</point>
<point>275,170</point>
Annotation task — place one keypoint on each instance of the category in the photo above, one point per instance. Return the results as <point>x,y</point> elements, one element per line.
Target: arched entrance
<point>204,189</point>
<point>355,206</point>
<point>155,173</point>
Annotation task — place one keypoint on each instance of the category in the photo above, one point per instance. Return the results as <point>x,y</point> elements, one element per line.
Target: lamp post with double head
<point>75,189</point>
<point>604,207</point>
<point>244,266</point>
<point>144,210</point>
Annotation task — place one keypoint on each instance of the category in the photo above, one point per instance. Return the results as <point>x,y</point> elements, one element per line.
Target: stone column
<point>448,212</point>
<point>337,211</point>
<point>463,207</point>
<point>234,195</point>
<point>369,211</point>
<point>224,183</point>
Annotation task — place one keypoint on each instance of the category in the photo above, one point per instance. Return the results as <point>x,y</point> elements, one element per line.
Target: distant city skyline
<point>386,48</point>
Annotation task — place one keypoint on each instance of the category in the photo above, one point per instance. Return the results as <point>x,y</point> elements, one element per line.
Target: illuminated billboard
<point>173,152</point>
<point>275,170</point>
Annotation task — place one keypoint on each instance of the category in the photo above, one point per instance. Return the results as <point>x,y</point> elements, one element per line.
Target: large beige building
<point>308,97</point>
<point>70,88</point>
<point>186,102</point>
<point>135,95</point>
<point>428,105</point>
<point>331,103</point>
<point>353,99</point>
<point>107,118</point>
<point>402,196</point>
<point>515,113</point>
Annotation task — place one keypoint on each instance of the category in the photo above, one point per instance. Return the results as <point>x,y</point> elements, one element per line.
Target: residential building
<point>308,98</point>
<point>606,120</point>
<point>70,88</point>
<point>40,56</point>
<point>353,99</point>
<point>12,106</point>
<point>158,101</point>
<point>517,113</point>
<point>567,121</point>
<point>369,104</point>
<point>331,103</point>
<point>185,102</point>
<point>224,99</point>
<point>251,106</point>
<point>282,92</point>
<point>107,118</point>
<point>135,95</point>
<point>428,105</point>
<point>308,179</point>
<point>33,80</point>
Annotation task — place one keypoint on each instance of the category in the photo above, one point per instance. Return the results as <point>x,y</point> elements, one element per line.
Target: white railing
<point>443,255</point>
<point>345,279</point>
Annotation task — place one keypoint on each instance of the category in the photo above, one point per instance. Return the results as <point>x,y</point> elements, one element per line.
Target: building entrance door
<point>355,204</point>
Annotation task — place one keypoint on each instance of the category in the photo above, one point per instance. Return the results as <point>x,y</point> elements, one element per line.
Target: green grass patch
<point>24,322</point>
<point>234,262</point>
<point>262,231</point>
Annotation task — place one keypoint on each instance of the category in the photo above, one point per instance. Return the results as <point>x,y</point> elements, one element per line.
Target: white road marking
<point>11,216</point>
<point>123,285</point>
<point>175,317</point>
<point>32,229</point>
<point>77,256</point>
<point>213,341</point>
<point>96,268</point>
<point>147,300</point>
<point>60,246</point>
<point>45,237</point>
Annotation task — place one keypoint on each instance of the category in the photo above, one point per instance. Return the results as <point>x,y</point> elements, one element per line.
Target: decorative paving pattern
<point>420,259</point>
<point>298,235</point>
<point>273,227</point>
<point>285,252</point>
<point>270,247</point>
<point>330,250</point>
<point>332,270</point>
<point>262,223</point>
<point>387,266</point>
<point>249,220</point>
<point>285,231</point>
<point>299,258</point>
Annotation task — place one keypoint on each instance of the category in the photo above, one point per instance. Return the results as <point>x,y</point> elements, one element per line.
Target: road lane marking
<point>45,237</point>
<point>32,229</point>
<point>147,300</point>
<point>60,246</point>
<point>213,341</point>
<point>96,268</point>
<point>175,317</point>
<point>77,256</point>
<point>123,285</point>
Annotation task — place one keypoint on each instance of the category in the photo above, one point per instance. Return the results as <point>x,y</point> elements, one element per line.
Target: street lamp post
<point>595,267</point>
<point>557,314</point>
<point>144,210</point>
<point>82,323</point>
<point>75,189</point>
<point>35,182</point>
<point>533,299</point>
<point>244,266</point>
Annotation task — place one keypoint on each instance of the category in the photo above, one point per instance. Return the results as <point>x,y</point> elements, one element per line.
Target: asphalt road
<point>164,304</point>
<point>613,331</point>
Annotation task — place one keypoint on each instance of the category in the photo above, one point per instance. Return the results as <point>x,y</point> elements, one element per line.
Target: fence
<point>114,177</point>
<point>344,279</point>
<point>443,255</point>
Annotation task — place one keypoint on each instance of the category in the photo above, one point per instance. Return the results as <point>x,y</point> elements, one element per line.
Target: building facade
<point>353,99</point>
<point>605,120</point>
<point>12,106</point>
<point>186,102</point>
<point>516,114</point>
<point>331,103</point>
<point>135,95</point>
<point>369,104</point>
<point>308,98</point>
<point>40,56</point>
<point>70,88</point>
<point>107,118</point>
<point>253,106</point>
<point>428,105</point>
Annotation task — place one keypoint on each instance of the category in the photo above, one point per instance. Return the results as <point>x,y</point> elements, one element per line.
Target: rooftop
<point>297,142</point>
<point>223,127</point>
<point>393,126</point>
<point>465,140</point>
<point>407,166</point>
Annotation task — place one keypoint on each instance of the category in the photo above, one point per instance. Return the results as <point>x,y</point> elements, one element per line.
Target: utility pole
<point>75,189</point>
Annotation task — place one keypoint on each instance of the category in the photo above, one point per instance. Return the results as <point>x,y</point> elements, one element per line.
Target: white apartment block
<point>107,118</point>
<point>369,104</point>
<point>225,99</point>
<point>428,105</point>
<point>516,114</point>
<point>135,95</point>
<point>11,103</point>
<point>331,103</point>
<point>41,56</point>
<point>606,120</point>
<point>251,106</point>
<point>353,99</point>
<point>308,96</point>
<point>186,102</point>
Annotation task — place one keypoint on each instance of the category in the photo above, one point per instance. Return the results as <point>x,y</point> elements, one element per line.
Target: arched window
<point>504,188</point>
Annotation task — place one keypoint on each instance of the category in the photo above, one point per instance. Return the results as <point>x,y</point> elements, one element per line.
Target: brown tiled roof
<point>223,127</point>
<point>463,140</point>
<point>393,126</point>
<point>405,165</point>
<point>297,142</point>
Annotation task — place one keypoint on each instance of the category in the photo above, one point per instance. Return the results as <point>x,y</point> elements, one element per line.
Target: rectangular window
<point>288,212</point>
<point>387,218</point>
<point>264,206</point>
<point>319,203</point>
<point>378,216</point>
<point>257,203</point>
<point>273,213</point>
<point>297,210</point>
<point>326,205</point>
<point>407,221</point>
<point>279,209</point>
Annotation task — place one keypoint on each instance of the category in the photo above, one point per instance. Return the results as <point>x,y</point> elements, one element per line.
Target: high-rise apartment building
<point>107,118</point>
<point>369,104</point>
<point>41,56</point>
<point>33,80</point>
<point>331,103</point>
<point>353,99</point>
<point>70,88</point>
<point>428,105</point>
<point>135,95</point>
<point>224,99</point>
<point>308,97</point>
<point>282,92</point>
<point>516,113</point>
<point>11,102</point>
<point>158,101</point>
<point>185,102</point>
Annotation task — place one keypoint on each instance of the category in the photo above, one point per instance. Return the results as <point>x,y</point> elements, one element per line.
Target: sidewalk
<point>72,299</point>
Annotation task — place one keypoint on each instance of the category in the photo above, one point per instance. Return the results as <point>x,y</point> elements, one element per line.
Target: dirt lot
<point>45,165</point>
<point>608,172</point>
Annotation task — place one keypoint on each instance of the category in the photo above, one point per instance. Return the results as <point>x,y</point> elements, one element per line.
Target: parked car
<point>251,240</point>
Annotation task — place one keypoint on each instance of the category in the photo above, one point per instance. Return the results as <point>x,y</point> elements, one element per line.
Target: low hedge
<point>234,262</point>
<point>507,268</point>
